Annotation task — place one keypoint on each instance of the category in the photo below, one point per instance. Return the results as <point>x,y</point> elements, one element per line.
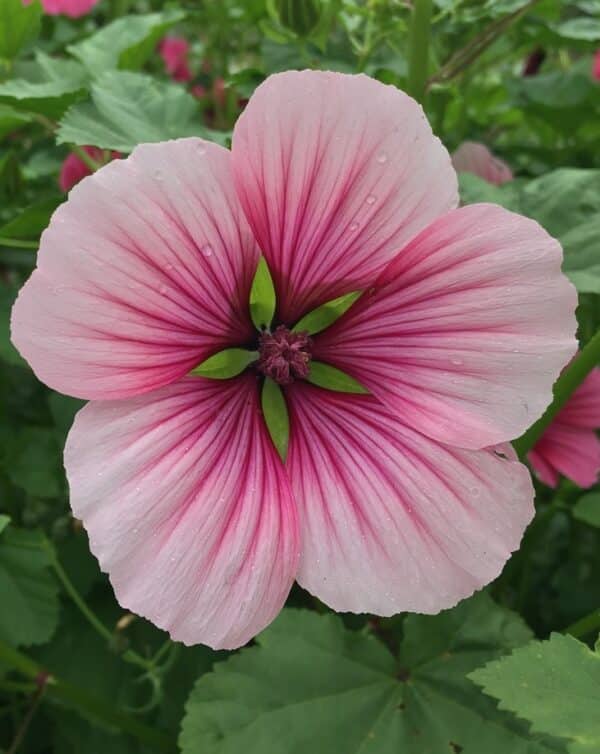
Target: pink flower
<point>471,157</point>
<point>596,66</point>
<point>74,168</point>
<point>570,446</point>
<point>174,51</point>
<point>72,8</point>
<point>396,500</point>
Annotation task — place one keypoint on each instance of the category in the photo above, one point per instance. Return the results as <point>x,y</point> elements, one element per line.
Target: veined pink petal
<point>391,520</point>
<point>570,446</point>
<point>472,157</point>
<point>72,8</point>
<point>466,331</point>
<point>335,174</point>
<point>570,451</point>
<point>187,507</point>
<point>143,273</point>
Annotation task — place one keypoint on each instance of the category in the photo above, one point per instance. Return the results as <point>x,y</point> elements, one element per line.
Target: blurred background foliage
<point>519,76</point>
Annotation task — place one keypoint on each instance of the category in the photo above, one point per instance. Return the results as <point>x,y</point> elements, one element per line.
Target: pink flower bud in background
<point>174,51</point>
<point>72,8</point>
<point>472,157</point>
<point>74,168</point>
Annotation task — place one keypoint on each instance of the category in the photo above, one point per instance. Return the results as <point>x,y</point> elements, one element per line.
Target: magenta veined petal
<point>471,157</point>
<point>570,445</point>
<point>466,330</point>
<point>187,507</point>
<point>391,520</point>
<point>142,274</point>
<point>335,173</point>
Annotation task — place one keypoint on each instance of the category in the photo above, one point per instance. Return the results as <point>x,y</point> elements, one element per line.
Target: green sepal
<point>225,364</point>
<point>276,416</point>
<point>324,375</point>
<point>262,296</point>
<point>327,314</point>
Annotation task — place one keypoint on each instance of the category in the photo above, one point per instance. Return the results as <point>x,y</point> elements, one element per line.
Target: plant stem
<point>84,157</point>
<point>26,722</point>
<point>17,243</point>
<point>564,387</point>
<point>585,625</point>
<point>418,49</point>
<point>88,704</point>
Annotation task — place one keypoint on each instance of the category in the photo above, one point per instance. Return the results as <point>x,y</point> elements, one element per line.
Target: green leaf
<point>225,364</point>
<point>11,119</point>
<point>584,27</point>
<point>324,375</point>
<point>555,685</point>
<point>50,98</point>
<point>311,685</point>
<point>8,352</point>
<point>126,42</point>
<point>276,415</point>
<point>566,202</point>
<point>19,25</point>
<point>32,220</point>
<point>587,509</point>
<point>262,296</point>
<point>29,613</point>
<point>327,314</point>
<point>127,109</point>
<point>34,461</point>
<point>4,522</point>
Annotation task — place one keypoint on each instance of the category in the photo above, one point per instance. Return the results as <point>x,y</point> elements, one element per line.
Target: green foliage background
<point>77,674</point>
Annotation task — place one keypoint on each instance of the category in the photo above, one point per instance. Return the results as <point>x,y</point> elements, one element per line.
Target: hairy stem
<point>418,49</point>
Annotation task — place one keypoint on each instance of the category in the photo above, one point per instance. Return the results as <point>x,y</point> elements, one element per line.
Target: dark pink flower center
<point>284,355</point>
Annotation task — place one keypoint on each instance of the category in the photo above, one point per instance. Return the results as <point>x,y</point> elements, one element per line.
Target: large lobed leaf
<point>312,685</point>
<point>555,684</point>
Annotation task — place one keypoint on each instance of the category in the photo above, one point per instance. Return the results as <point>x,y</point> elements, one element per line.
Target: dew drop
<point>456,361</point>
<point>370,199</point>
<point>353,226</point>
<point>163,289</point>
<point>168,266</point>
<point>382,158</point>
<point>207,250</point>
<point>200,149</point>
<point>158,176</point>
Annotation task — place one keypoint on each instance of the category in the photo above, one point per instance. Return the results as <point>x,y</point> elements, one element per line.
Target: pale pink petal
<point>466,331</point>
<point>335,174</point>
<point>570,451</point>
<point>143,273</point>
<point>472,157</point>
<point>188,508</point>
<point>391,520</point>
<point>583,407</point>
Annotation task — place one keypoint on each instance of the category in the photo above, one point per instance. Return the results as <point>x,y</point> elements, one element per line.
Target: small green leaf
<point>32,220</point>
<point>324,375</point>
<point>262,296</point>
<point>554,684</point>
<point>587,509</point>
<point>19,24</point>
<point>127,109</point>
<point>225,364</point>
<point>327,314</point>
<point>4,522</point>
<point>126,42</point>
<point>276,416</point>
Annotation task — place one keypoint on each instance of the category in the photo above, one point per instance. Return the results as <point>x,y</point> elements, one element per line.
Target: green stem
<point>418,49</point>
<point>17,243</point>
<point>84,157</point>
<point>565,386</point>
<point>585,626</point>
<point>87,704</point>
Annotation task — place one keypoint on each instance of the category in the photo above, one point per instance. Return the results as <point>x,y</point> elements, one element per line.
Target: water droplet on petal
<point>370,199</point>
<point>456,361</point>
<point>163,289</point>
<point>158,176</point>
<point>382,158</point>
<point>207,250</point>
<point>200,149</point>
<point>353,226</point>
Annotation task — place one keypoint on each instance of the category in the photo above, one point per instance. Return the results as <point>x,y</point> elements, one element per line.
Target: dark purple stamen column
<point>284,355</point>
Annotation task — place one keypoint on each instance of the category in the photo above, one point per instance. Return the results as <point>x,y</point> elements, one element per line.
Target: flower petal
<point>187,507</point>
<point>335,174</point>
<point>391,520</point>
<point>566,450</point>
<point>583,407</point>
<point>142,274</point>
<point>472,157</point>
<point>466,331</point>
